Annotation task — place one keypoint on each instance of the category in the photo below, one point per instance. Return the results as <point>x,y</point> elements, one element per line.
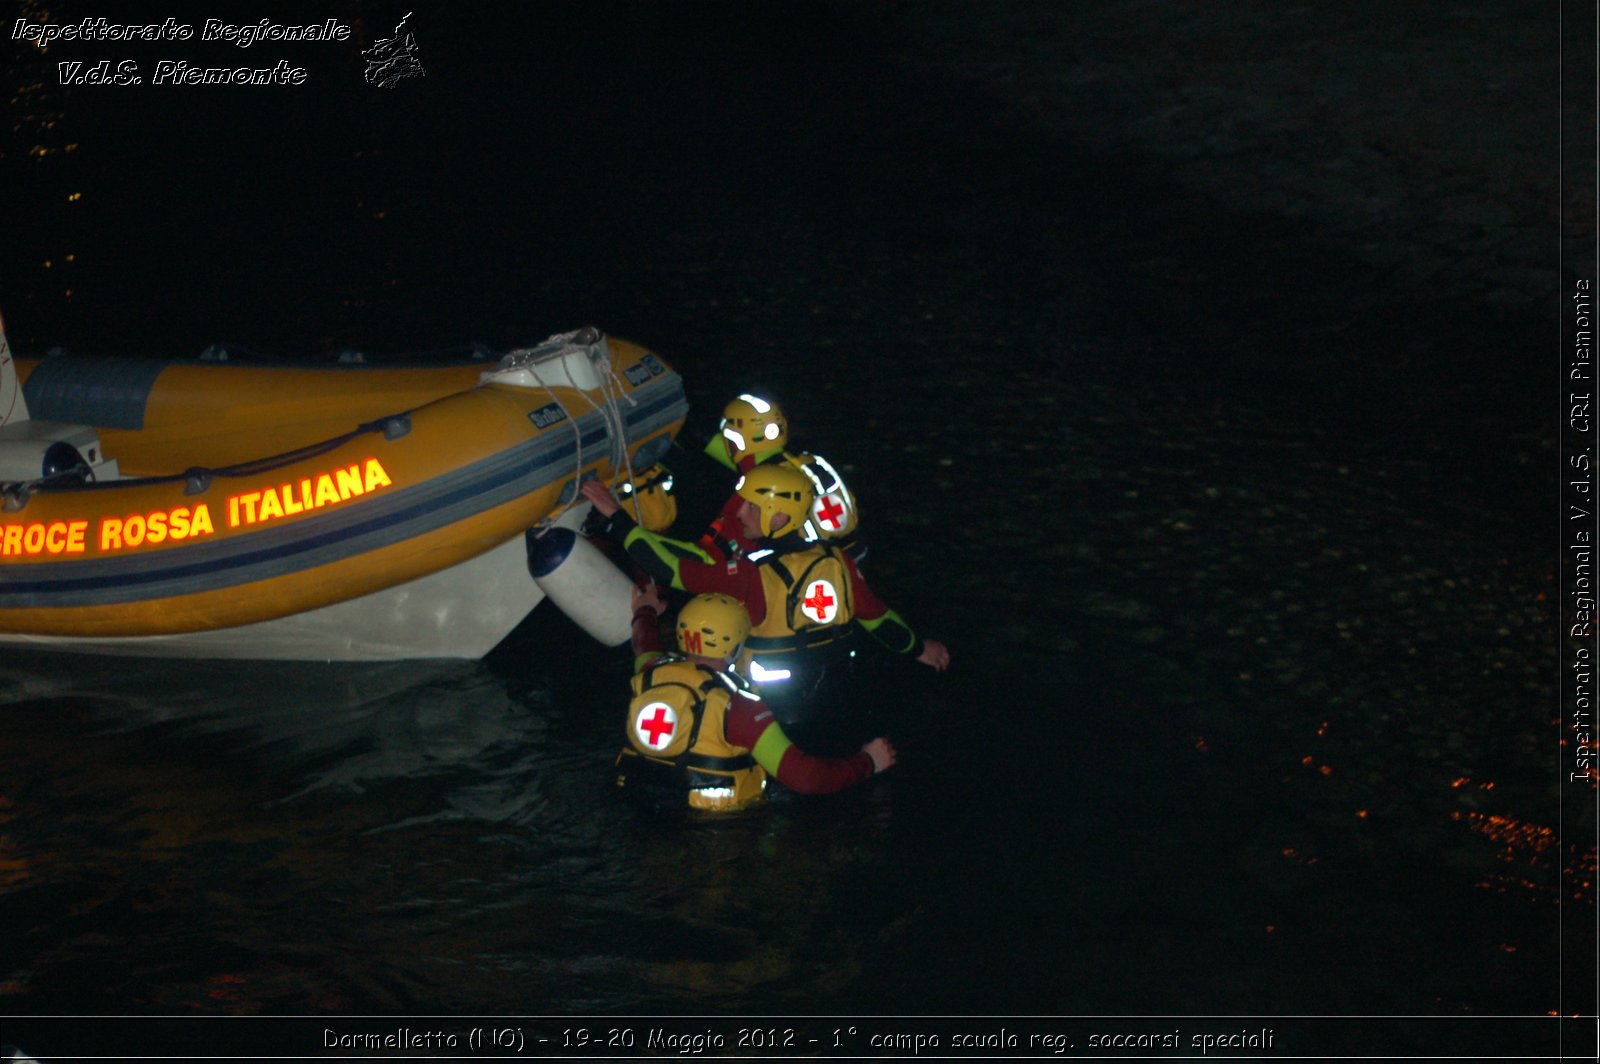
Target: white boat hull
<point>461,612</point>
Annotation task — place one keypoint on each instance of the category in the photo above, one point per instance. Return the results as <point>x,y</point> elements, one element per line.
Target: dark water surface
<point>1240,557</point>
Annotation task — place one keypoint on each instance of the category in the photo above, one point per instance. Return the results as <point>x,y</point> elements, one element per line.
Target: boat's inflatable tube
<point>203,537</point>
<point>578,578</point>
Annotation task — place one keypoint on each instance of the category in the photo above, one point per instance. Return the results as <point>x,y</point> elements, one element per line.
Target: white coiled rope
<point>612,392</point>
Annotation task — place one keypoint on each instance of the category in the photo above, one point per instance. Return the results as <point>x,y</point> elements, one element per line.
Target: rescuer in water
<point>805,598</point>
<point>753,432</point>
<point>696,728</point>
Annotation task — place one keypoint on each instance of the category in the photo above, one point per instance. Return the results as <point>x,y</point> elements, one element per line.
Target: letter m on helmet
<point>691,641</point>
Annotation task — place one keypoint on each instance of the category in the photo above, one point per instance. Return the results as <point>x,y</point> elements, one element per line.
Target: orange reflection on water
<point>1514,834</point>
<point>1530,850</point>
<point>14,866</point>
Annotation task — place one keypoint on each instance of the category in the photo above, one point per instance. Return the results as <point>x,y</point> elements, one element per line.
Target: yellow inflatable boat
<point>331,513</point>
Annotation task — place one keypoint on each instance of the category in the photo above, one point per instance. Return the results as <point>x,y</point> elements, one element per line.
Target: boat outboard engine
<point>13,404</point>
<point>36,449</point>
<point>62,462</point>
<point>575,575</point>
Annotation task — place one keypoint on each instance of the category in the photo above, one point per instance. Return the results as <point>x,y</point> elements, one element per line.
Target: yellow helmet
<point>712,626</point>
<point>751,424</point>
<point>778,488</point>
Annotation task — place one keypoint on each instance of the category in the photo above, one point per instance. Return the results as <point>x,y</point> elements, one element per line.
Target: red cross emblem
<point>655,728</point>
<point>830,509</point>
<point>821,604</point>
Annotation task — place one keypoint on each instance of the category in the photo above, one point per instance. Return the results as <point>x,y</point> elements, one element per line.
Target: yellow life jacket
<point>648,498</point>
<point>676,729</point>
<point>833,514</point>
<point>810,603</point>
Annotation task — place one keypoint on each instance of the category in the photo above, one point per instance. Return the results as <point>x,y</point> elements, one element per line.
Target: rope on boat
<point>577,443</point>
<point>611,388</point>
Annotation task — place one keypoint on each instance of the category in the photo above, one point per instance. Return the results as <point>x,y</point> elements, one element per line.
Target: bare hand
<point>601,496</point>
<point>935,655</point>
<point>882,754</point>
<point>648,596</point>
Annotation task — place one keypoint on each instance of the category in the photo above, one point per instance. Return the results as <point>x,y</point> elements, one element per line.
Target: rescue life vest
<point>676,733</point>
<point>810,604</point>
<point>648,498</point>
